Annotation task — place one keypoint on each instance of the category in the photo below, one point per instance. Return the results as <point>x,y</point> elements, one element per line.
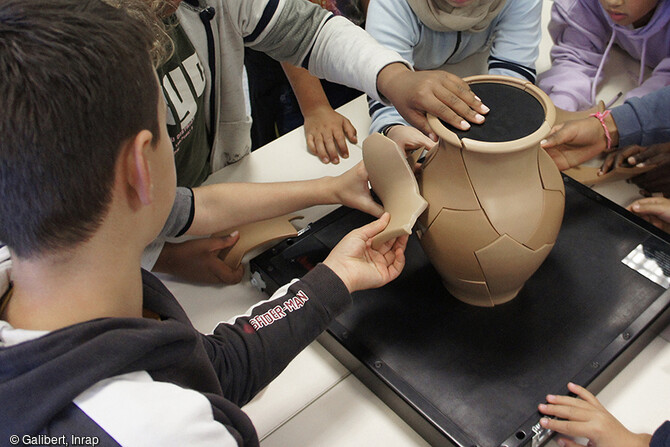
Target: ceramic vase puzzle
<point>495,198</point>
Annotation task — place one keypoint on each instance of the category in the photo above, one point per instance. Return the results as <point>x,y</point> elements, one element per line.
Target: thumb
<point>374,228</point>
<point>554,138</point>
<point>373,208</point>
<point>350,131</point>
<point>222,242</point>
<point>648,207</point>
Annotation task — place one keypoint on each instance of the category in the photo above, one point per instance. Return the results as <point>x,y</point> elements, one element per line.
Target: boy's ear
<point>138,166</point>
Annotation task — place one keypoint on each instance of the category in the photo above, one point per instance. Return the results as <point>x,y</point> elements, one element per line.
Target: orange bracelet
<point>601,117</point>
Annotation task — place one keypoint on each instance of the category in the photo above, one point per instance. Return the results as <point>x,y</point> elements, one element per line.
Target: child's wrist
<point>609,128</point>
<point>610,124</point>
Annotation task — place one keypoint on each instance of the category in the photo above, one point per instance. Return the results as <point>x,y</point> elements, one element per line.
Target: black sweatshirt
<point>142,381</point>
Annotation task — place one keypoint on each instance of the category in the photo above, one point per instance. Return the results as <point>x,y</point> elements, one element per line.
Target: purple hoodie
<point>583,35</point>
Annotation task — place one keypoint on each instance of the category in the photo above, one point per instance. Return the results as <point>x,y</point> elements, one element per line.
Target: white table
<point>316,401</point>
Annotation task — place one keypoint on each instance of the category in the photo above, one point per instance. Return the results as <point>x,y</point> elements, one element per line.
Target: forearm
<point>643,121</point>
<point>306,87</point>
<point>345,54</point>
<point>227,205</point>
<point>250,351</point>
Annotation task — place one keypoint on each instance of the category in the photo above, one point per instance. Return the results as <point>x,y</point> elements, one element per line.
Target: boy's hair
<point>77,83</point>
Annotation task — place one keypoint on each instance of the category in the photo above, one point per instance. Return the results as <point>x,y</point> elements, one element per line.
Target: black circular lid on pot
<point>514,114</point>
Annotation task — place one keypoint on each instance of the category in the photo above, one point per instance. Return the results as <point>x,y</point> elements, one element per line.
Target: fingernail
<point>636,206</point>
<point>543,142</point>
<point>465,125</point>
<point>561,442</point>
<point>542,407</point>
<point>234,233</point>
<point>477,98</point>
<point>336,161</point>
<point>325,159</point>
<point>479,118</point>
<point>485,109</point>
<point>631,160</point>
<point>544,422</point>
<point>345,155</point>
<point>641,165</point>
<point>600,172</point>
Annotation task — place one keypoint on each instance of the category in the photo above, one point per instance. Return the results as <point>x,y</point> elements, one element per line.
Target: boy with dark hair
<point>91,345</point>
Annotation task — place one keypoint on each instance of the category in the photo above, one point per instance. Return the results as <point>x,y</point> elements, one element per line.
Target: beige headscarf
<point>439,15</point>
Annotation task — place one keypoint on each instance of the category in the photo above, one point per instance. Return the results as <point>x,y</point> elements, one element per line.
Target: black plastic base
<point>469,376</point>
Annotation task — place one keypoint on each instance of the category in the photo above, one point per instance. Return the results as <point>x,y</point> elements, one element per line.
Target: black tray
<point>469,376</point>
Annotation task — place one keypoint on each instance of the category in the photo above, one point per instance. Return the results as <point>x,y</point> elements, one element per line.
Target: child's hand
<point>621,157</point>
<point>197,261</point>
<point>572,143</point>
<point>655,210</point>
<point>413,93</point>
<point>326,132</point>
<point>654,155</point>
<point>360,266</point>
<point>655,181</point>
<point>585,417</point>
<point>408,138</point>
<point>351,189</point>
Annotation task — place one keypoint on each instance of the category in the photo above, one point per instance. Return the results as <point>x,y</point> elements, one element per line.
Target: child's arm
<point>250,351</point>
<point>655,210</point>
<point>580,36</point>
<point>326,130</point>
<point>333,48</point>
<point>586,417</point>
<point>214,208</point>
<point>517,35</point>
<point>659,78</point>
<point>227,205</point>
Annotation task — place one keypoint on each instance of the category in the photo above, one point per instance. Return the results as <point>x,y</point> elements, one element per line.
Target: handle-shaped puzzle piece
<point>255,234</point>
<point>394,182</point>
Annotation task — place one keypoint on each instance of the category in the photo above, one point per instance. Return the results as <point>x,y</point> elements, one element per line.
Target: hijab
<point>439,15</point>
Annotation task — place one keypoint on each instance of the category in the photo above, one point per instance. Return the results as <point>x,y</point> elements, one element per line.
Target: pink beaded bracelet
<point>601,117</point>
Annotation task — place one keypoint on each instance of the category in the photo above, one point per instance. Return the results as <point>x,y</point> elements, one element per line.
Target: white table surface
<point>316,401</point>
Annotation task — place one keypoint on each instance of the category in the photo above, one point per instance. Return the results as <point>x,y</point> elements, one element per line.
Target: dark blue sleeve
<point>644,121</point>
<point>661,437</point>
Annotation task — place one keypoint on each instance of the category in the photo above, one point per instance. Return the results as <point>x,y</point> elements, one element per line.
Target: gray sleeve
<point>644,121</point>
<point>330,47</point>
<point>290,34</point>
<point>177,223</point>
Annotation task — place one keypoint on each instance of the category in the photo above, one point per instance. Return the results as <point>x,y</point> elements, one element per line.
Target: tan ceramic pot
<point>495,207</point>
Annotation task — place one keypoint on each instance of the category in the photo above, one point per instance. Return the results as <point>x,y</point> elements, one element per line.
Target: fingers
<point>223,273</point>
<point>221,243</point>
<point>324,148</point>
<point>561,161</point>
<point>351,134</point>
<point>555,138</point>
<point>567,427</point>
<point>656,154</point>
<point>374,228</point>
<point>453,110</point>
<point>584,394</point>
<point>651,205</point>
<point>565,442</point>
